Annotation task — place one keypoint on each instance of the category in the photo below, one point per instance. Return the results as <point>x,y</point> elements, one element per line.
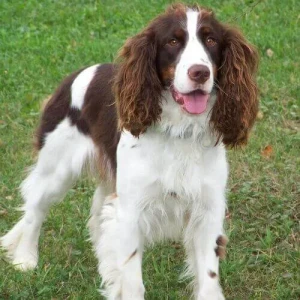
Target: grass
<point>42,41</point>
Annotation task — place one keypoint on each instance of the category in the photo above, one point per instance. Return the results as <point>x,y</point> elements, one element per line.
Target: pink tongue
<point>195,103</point>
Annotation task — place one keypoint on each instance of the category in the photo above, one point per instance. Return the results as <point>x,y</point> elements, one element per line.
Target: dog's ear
<point>235,110</point>
<point>137,86</point>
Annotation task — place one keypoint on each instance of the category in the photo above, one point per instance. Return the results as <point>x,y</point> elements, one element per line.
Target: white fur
<point>193,54</point>
<point>81,84</point>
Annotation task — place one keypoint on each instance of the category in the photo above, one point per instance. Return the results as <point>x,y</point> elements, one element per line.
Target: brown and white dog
<point>156,125</point>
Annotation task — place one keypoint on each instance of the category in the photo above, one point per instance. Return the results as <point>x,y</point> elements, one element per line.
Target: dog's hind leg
<point>61,160</point>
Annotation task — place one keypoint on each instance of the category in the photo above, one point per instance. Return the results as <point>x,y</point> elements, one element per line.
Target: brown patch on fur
<point>222,241</point>
<point>137,86</point>
<point>235,110</point>
<point>215,70</point>
<point>220,252</point>
<point>55,110</point>
<point>212,274</point>
<point>99,111</point>
<point>221,246</point>
<point>77,120</point>
<point>168,74</point>
<point>131,256</point>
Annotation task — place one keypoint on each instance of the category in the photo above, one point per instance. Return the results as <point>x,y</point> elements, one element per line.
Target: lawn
<point>43,41</point>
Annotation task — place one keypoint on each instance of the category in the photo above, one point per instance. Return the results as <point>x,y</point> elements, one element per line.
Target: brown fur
<point>234,113</point>
<point>212,274</point>
<point>137,86</point>
<point>221,246</point>
<point>55,110</point>
<point>99,112</point>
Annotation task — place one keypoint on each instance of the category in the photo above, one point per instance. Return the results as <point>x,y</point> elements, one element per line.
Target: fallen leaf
<point>267,151</point>
<point>270,52</point>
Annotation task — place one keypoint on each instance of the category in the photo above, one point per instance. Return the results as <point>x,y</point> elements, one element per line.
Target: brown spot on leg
<point>222,241</point>
<point>131,256</point>
<point>220,252</point>
<point>221,248</point>
<point>212,274</point>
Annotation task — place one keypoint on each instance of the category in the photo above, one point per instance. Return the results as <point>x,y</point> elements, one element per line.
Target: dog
<point>155,126</point>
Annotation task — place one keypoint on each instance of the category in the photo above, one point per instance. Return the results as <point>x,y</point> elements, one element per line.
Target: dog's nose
<point>199,73</point>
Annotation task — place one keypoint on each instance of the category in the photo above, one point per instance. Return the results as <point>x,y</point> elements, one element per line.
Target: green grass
<point>42,41</point>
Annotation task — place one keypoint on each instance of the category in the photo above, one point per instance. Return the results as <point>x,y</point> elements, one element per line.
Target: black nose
<point>199,73</point>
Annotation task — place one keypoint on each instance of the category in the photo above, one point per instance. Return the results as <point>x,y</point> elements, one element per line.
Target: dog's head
<point>188,52</point>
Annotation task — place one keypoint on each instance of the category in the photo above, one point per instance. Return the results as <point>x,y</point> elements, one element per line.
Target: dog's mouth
<point>194,102</point>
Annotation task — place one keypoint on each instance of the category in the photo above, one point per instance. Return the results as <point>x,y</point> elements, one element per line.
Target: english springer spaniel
<point>154,126</point>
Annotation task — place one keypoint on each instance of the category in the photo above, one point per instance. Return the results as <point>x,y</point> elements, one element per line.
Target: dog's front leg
<point>130,250</point>
<point>120,250</point>
<point>205,243</point>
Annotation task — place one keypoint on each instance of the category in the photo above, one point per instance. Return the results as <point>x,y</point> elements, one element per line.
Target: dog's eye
<point>210,42</point>
<point>173,42</point>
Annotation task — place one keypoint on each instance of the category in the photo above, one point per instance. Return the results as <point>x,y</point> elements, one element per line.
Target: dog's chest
<point>180,168</point>
<point>163,166</point>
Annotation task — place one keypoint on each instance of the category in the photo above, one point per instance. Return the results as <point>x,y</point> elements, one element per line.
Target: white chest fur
<point>169,165</point>
<point>166,178</point>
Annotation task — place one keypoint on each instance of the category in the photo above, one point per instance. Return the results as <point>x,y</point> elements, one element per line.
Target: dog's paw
<point>19,250</point>
<point>211,295</point>
<point>25,263</point>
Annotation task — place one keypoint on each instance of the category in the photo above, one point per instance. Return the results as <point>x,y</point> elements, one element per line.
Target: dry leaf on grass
<point>267,151</point>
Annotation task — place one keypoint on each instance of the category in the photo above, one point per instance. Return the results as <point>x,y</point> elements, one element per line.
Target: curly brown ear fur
<point>137,86</point>
<point>236,108</point>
